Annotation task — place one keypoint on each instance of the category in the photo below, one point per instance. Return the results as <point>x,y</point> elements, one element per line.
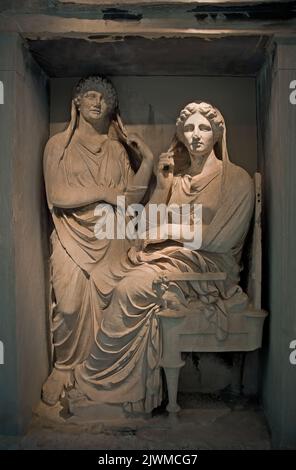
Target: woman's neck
<point>93,132</point>
<point>202,164</point>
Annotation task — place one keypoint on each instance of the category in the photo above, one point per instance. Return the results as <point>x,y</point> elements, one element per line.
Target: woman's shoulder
<point>239,176</point>
<point>55,142</point>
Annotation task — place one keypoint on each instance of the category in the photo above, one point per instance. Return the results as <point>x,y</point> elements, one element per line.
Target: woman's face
<point>198,135</point>
<point>93,106</point>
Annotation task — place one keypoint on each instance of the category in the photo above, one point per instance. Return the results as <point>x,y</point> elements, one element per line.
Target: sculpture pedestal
<point>87,410</point>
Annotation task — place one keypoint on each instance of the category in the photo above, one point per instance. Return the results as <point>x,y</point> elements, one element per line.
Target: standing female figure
<point>84,165</point>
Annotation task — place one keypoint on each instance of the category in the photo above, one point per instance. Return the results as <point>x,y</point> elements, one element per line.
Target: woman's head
<point>95,98</point>
<point>199,127</point>
<point>212,129</point>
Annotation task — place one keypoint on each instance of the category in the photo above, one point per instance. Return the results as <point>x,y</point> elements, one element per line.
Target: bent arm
<point>139,182</point>
<point>182,234</point>
<point>68,197</point>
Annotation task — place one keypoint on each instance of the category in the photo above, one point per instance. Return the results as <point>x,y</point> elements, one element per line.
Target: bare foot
<point>55,385</point>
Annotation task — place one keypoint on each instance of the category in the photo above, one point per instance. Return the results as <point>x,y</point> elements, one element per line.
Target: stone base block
<point>91,411</point>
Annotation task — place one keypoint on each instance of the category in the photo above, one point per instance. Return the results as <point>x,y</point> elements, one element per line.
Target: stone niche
<point>154,78</point>
<point>151,93</point>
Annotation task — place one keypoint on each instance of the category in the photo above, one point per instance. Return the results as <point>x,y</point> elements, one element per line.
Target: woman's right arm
<point>67,197</point>
<point>165,175</point>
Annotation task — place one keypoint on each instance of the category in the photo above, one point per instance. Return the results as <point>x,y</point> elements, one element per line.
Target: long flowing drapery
<point>79,296</point>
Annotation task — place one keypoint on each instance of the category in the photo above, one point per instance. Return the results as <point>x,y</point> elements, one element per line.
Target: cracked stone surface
<point>205,422</point>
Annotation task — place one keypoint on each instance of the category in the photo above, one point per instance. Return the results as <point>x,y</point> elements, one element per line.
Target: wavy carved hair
<point>100,84</point>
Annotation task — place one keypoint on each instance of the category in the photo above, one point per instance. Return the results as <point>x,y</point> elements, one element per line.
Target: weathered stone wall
<point>23,245</point>
<point>277,123</point>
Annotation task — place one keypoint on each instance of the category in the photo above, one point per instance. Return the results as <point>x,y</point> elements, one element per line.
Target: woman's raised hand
<point>165,170</point>
<point>138,144</point>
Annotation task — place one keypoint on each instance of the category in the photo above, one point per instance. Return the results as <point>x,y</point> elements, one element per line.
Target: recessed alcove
<point>154,79</point>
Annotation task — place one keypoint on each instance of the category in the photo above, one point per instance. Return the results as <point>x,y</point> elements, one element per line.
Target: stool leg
<point>172,379</point>
<point>171,360</point>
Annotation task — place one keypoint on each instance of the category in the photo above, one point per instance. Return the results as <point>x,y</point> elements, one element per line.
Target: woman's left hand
<point>138,144</point>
